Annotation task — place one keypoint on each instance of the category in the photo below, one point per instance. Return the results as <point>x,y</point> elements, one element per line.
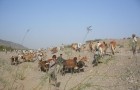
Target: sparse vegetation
<point>20,74</point>
<point>43,80</point>
<point>116,72</point>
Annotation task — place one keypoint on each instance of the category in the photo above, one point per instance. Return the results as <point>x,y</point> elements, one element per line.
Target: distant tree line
<point>3,48</point>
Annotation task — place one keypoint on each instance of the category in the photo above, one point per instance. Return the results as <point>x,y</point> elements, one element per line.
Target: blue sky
<point>53,22</point>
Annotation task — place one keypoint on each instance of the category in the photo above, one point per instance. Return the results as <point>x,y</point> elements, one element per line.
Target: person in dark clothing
<point>60,61</point>
<point>96,58</point>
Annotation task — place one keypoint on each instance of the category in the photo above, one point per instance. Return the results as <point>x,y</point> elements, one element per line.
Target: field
<point>115,72</point>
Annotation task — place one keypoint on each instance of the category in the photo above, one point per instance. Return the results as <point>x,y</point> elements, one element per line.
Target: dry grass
<point>118,72</point>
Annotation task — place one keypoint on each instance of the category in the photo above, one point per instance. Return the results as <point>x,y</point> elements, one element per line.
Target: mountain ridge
<point>12,44</point>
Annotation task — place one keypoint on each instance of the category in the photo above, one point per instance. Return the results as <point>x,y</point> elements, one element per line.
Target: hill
<point>11,44</point>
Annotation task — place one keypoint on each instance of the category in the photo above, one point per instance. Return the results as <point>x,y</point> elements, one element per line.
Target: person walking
<point>134,43</point>
<point>60,61</point>
<point>52,70</point>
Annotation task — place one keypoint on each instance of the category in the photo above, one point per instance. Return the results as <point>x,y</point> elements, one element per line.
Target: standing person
<point>98,44</point>
<point>134,43</point>
<point>60,61</point>
<point>96,57</point>
<point>79,47</point>
<point>98,48</point>
<point>90,46</point>
<point>52,70</point>
<point>62,47</point>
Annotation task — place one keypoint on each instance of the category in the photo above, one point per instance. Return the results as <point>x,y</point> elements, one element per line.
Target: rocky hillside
<point>11,44</point>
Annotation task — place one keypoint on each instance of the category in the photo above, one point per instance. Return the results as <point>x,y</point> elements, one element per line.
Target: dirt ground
<point>118,72</point>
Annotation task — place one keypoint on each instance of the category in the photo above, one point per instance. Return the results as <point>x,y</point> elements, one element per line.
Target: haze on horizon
<point>44,23</point>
